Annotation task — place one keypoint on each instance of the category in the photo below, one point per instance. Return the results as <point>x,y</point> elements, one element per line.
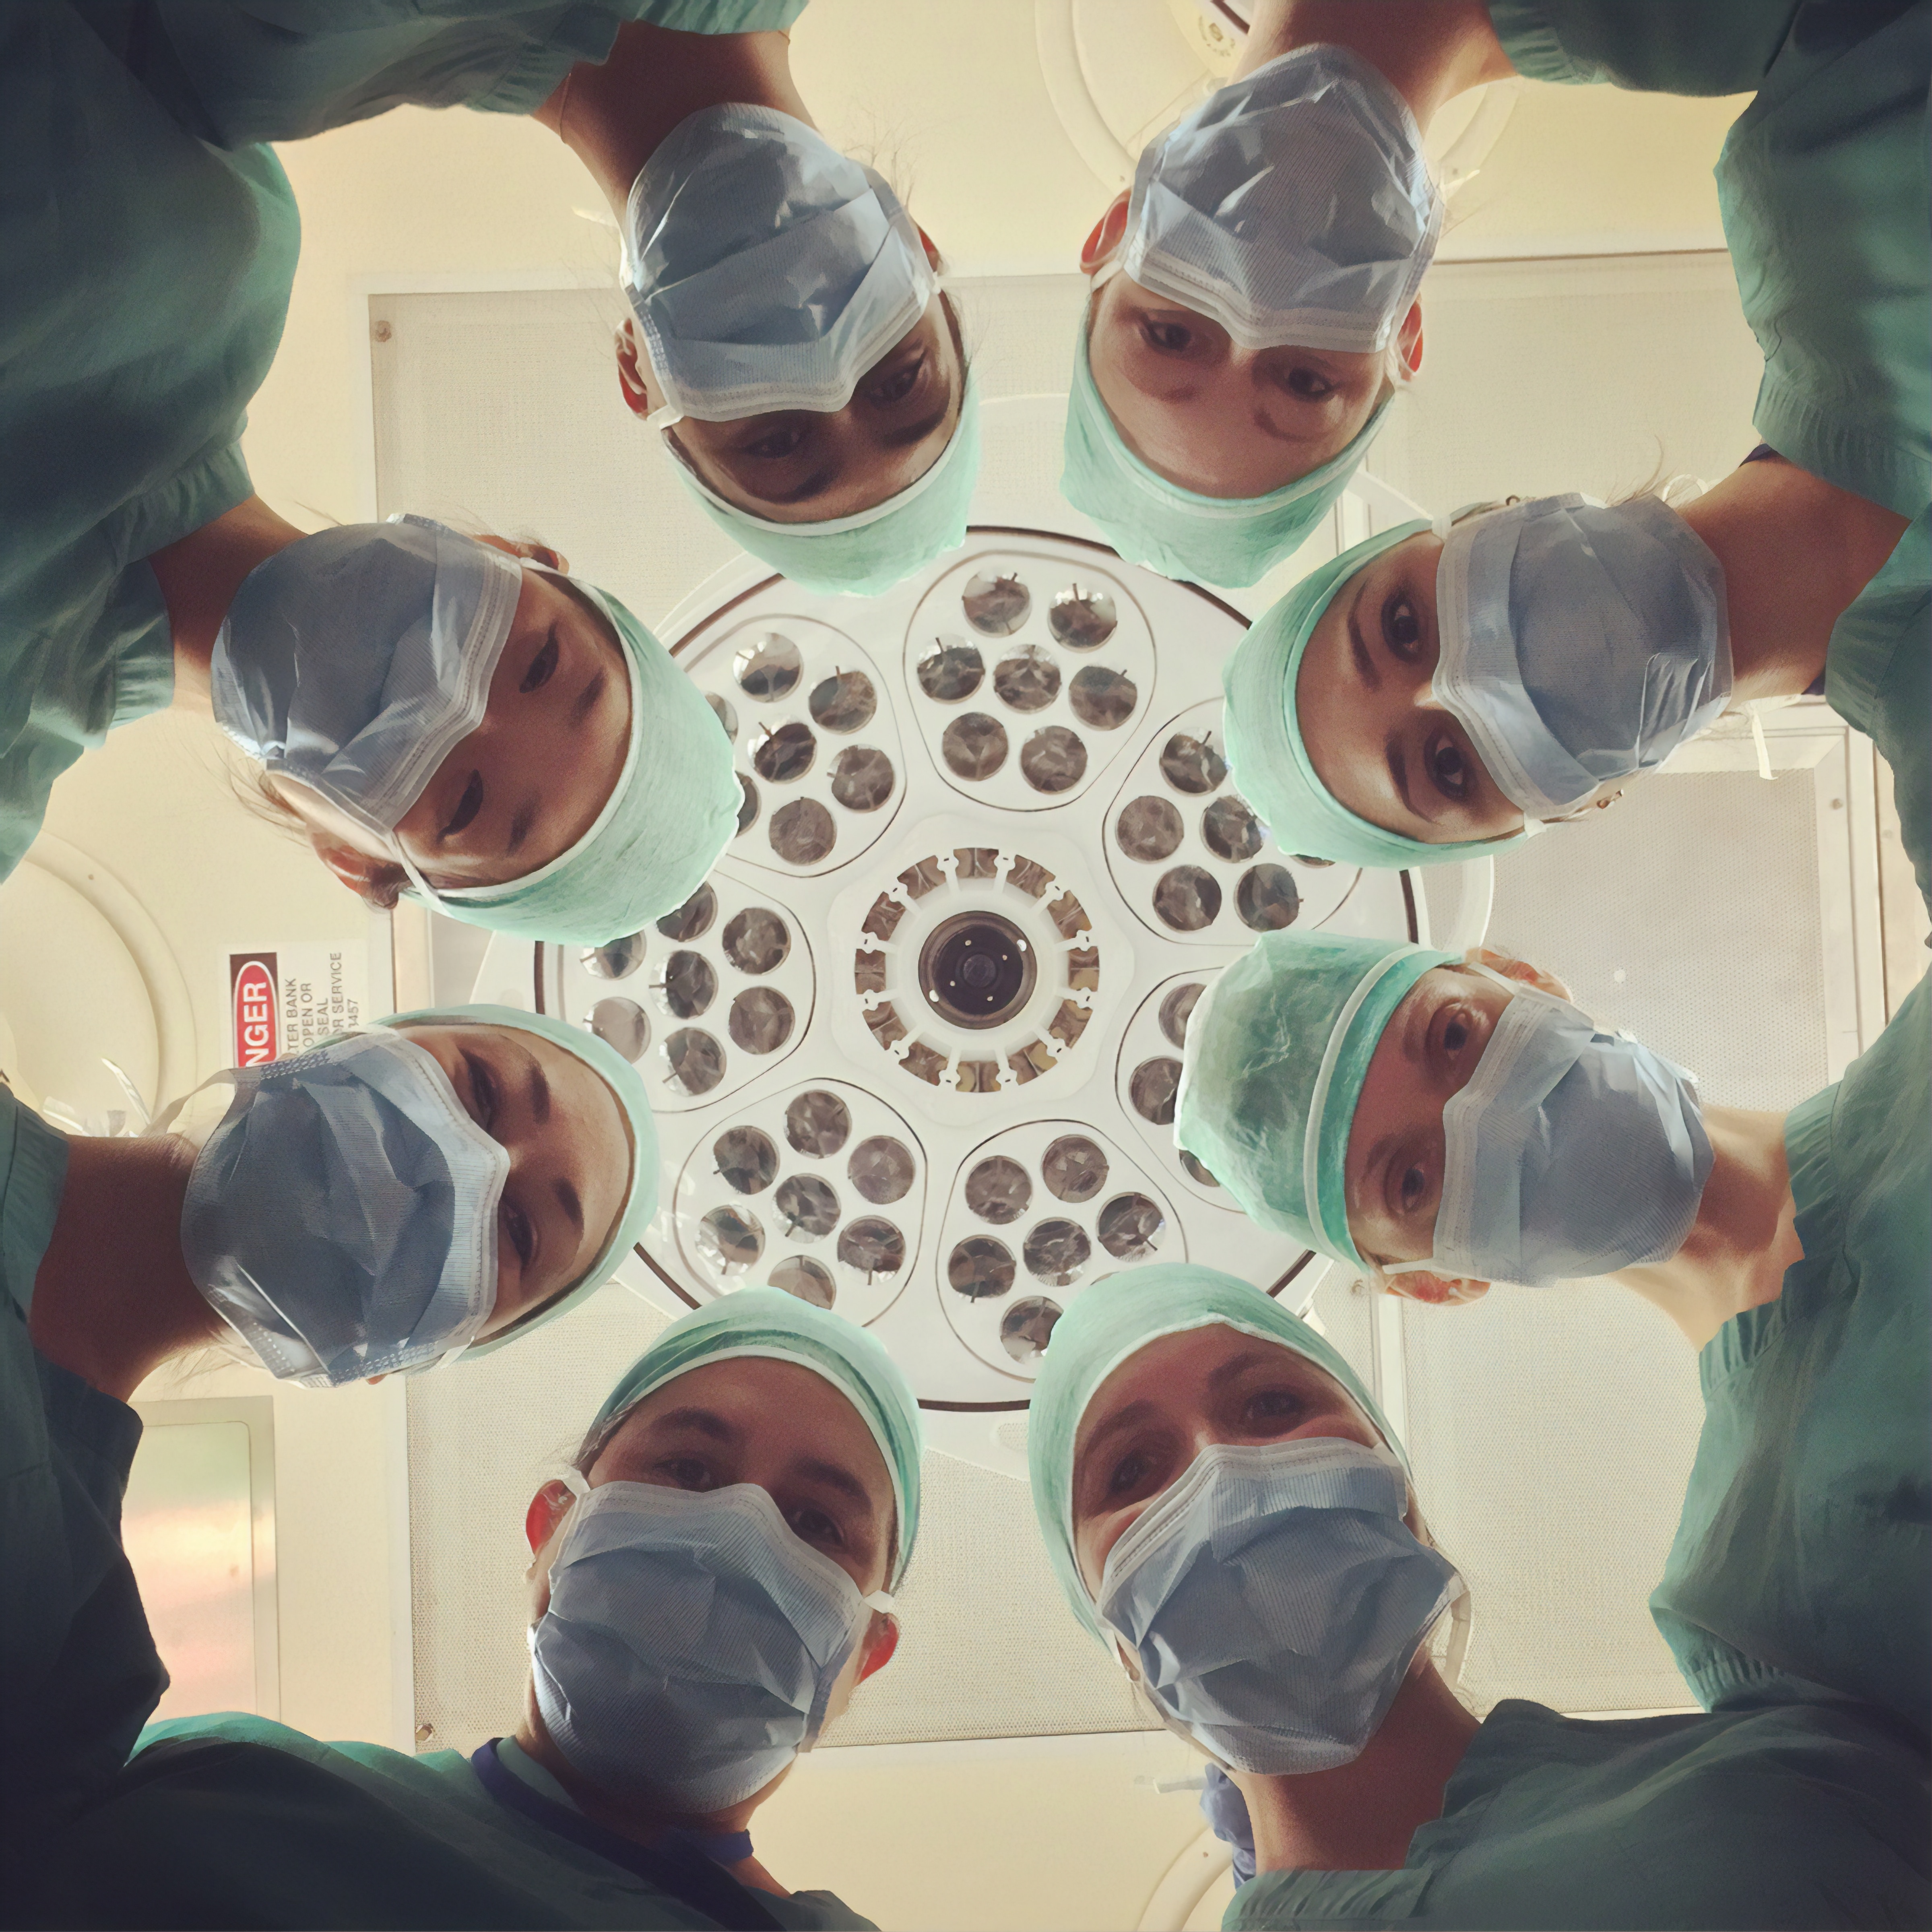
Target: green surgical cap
<point>1115,1319</point>
<point>866,554</point>
<point>1231,541</point>
<point>672,810</point>
<point>767,1321</point>
<point>1263,735</point>
<point>1277,1051</point>
<point>627,1087</point>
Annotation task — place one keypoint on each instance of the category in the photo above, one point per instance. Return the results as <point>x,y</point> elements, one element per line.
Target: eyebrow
<point>540,1097</point>
<point>567,1198</point>
<point>1235,1367</point>
<point>1398,771</point>
<point>704,1421</point>
<point>813,485</point>
<point>521,824</point>
<point>1129,1417</point>
<point>1358,649</point>
<point>587,698</point>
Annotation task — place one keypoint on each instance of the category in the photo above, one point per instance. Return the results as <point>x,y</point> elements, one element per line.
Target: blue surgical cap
<point>1231,541</point>
<point>1277,1051</point>
<point>672,810</point>
<point>1113,1320</point>
<point>867,552</point>
<point>767,1321</point>
<point>1265,752</point>
<point>627,1089</point>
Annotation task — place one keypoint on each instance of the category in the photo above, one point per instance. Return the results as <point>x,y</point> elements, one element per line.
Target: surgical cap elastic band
<point>1262,726</point>
<point>627,1089</point>
<point>1106,1327</point>
<point>767,1322</point>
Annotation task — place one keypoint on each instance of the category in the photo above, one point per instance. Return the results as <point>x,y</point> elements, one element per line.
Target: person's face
<point>570,1156</point>
<point>1379,740</point>
<point>1161,1408</point>
<point>1208,415</point>
<point>810,465</point>
<point>779,1426</point>
<point>528,783</point>
<point>1393,1173</point>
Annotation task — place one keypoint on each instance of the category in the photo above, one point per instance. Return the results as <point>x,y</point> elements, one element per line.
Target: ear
<point>546,1510</point>
<point>1108,232</point>
<point>631,382</point>
<point>376,882</point>
<point>1408,340</point>
<point>1511,967</point>
<point>934,260</point>
<point>536,553</point>
<point>882,1639</point>
<point>1435,1291</point>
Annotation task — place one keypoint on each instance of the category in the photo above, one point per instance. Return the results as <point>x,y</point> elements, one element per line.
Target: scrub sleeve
<point>235,1820</point>
<point>1878,678</point>
<point>233,72</point>
<point>1651,47</point>
<point>1805,1543</point>
<point>145,282</point>
<point>78,1674</point>
<point>1805,1812</point>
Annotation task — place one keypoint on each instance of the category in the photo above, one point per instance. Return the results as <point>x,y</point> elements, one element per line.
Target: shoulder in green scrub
<point>1805,1543</point>
<point>1651,47</point>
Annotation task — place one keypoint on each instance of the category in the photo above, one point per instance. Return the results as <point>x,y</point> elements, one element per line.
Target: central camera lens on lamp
<point>975,969</point>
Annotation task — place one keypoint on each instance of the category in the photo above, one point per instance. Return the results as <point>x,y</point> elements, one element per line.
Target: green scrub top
<point>238,71</point>
<point>79,1675</point>
<point>1806,1813</point>
<point>1653,46</point>
<point>1878,678</point>
<point>1826,186</point>
<point>1805,1544</point>
<point>235,1820</point>
<point>144,282</point>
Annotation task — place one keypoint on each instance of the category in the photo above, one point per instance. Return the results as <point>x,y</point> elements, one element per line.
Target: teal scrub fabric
<point>1809,1813</point>
<point>1805,1543</point>
<point>235,1820</point>
<point>238,71</point>
<point>144,280</point>
<point>78,1674</point>
<point>1655,46</point>
<point>1878,678</point>
<point>1826,186</point>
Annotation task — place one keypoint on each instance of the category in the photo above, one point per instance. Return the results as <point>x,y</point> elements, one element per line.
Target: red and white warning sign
<point>286,999</point>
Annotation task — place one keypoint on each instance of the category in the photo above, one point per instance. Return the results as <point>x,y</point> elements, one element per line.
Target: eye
<point>813,1525</point>
<point>899,385</point>
<point>1169,338</point>
<point>1413,1186</point>
<point>1310,384</point>
<point>1449,769</point>
<point>685,1472</point>
<point>541,666</point>
<point>1402,629</point>
<point>467,807</point>
<point>486,1095</point>
<point>518,1232</point>
<point>1455,1033</point>
<point>777,444</point>
<point>1131,1469</point>
<point>1271,1409</point>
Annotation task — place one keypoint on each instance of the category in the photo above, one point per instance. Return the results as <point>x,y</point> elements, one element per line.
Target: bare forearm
<point>1428,50</point>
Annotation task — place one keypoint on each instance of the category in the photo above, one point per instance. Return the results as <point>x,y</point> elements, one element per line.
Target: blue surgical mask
<point>692,1641</point>
<point>1569,1153</point>
<point>1293,205</point>
<point>766,270</point>
<point>342,1216</point>
<point>1273,1599</point>
<point>1580,644</point>
<point>354,661</point>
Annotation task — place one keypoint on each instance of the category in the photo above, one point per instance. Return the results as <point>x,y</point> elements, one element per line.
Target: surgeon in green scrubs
<point>1228,1512</point>
<point>501,1163</point>
<point>833,434</point>
<point>707,1590</point>
<point>1439,1123</point>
